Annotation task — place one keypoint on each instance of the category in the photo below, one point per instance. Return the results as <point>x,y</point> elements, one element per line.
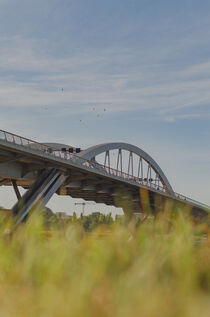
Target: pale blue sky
<point>147,62</point>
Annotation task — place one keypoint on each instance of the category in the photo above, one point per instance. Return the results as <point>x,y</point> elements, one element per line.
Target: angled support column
<point>17,192</point>
<point>39,193</point>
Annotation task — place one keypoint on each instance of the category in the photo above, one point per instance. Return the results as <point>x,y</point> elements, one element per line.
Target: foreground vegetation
<point>158,268</point>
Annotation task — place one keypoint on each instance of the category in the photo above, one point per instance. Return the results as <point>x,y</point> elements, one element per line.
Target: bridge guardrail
<point>191,201</point>
<point>19,140</point>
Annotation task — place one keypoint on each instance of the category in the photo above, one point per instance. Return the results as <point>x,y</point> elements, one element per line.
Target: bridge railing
<point>191,201</point>
<point>19,140</point>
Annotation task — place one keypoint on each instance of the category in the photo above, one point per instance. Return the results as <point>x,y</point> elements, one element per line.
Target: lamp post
<point>83,204</point>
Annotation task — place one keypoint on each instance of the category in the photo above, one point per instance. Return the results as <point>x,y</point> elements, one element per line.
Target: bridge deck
<point>22,159</point>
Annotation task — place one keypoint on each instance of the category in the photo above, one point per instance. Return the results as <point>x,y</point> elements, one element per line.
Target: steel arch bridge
<point>118,174</point>
<point>146,166</point>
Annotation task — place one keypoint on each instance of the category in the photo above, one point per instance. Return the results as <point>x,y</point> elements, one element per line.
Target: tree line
<point>88,222</point>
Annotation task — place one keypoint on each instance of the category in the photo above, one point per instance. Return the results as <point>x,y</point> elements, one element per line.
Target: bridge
<point>117,174</point>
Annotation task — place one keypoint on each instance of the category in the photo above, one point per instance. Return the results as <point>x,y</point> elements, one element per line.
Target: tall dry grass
<point>161,268</point>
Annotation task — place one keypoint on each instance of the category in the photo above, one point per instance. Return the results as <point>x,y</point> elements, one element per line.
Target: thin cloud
<point>31,77</point>
<point>187,116</point>
<point>199,70</point>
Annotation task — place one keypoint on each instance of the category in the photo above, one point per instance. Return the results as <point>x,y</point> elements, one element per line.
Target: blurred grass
<point>160,268</point>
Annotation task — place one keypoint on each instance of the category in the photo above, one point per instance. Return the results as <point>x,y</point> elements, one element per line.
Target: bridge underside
<point>132,200</point>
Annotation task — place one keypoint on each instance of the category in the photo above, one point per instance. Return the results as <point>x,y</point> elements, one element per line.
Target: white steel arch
<point>92,152</point>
